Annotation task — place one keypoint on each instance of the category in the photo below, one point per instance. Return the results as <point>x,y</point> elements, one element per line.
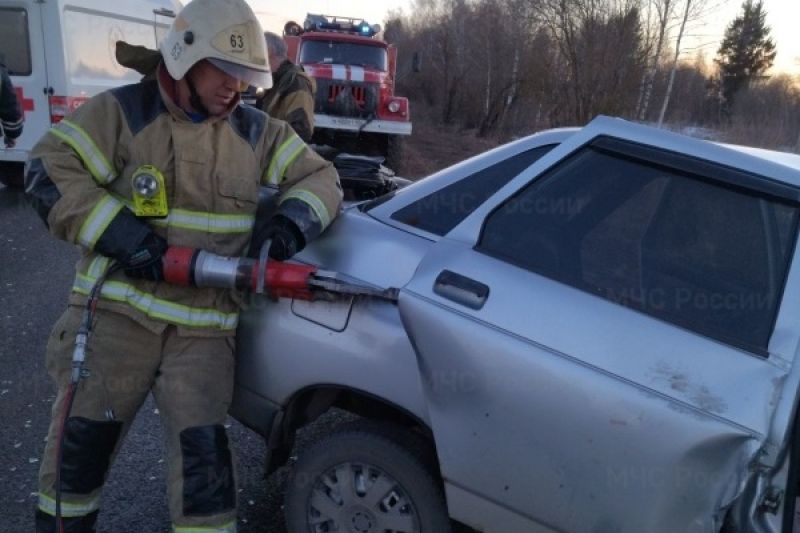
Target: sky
<point>783,17</point>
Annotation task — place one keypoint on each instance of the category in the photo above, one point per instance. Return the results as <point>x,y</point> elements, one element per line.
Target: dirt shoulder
<point>432,146</point>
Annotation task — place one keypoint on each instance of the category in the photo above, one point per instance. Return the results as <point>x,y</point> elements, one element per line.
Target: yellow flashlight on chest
<point>149,192</point>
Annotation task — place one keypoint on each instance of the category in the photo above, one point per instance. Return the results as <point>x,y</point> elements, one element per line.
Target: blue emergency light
<point>365,29</point>
<point>340,24</point>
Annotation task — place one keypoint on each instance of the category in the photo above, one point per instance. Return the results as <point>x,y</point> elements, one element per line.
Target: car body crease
<point>695,410</point>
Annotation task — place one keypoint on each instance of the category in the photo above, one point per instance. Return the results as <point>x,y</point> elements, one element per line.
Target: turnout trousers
<point>191,379</point>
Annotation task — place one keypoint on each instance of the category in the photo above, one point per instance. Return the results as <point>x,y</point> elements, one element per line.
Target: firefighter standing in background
<point>11,117</point>
<point>291,97</point>
<point>203,156</point>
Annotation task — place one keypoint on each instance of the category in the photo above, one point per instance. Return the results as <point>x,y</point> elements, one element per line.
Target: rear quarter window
<point>441,211</point>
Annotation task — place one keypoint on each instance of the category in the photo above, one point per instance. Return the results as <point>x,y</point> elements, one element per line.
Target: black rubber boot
<point>46,523</point>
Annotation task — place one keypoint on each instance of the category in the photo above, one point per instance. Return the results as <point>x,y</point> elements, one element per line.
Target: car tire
<point>366,478</point>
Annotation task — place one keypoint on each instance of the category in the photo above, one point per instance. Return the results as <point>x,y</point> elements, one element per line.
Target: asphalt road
<point>35,276</point>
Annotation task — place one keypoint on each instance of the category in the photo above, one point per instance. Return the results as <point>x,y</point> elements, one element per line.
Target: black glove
<point>287,239</point>
<point>134,245</point>
<point>145,262</point>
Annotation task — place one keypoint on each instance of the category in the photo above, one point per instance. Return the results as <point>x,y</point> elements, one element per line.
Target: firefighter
<point>11,117</point>
<point>174,160</point>
<point>291,97</point>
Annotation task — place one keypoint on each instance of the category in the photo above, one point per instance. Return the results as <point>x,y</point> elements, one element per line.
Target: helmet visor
<point>246,75</point>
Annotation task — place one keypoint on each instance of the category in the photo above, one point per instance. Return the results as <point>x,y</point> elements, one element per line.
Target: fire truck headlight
<point>394,106</point>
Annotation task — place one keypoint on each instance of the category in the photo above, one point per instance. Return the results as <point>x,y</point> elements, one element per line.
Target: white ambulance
<point>61,52</point>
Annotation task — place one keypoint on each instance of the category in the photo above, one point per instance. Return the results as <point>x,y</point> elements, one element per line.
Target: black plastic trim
<point>701,168</point>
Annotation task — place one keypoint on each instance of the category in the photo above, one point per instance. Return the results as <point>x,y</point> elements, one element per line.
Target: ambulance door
<point>22,50</point>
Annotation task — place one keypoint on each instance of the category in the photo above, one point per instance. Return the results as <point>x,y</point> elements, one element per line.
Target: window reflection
<point>90,47</point>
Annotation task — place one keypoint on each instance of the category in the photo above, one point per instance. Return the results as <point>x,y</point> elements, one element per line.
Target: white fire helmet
<point>226,32</point>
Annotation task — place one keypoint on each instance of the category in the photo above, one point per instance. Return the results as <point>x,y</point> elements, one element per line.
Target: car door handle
<point>461,289</point>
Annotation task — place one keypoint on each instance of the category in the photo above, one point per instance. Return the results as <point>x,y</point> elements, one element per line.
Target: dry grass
<point>433,146</point>
<point>762,136</point>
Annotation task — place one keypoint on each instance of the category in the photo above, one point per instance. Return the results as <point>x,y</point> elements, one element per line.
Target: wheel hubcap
<point>358,498</point>
<point>361,520</point>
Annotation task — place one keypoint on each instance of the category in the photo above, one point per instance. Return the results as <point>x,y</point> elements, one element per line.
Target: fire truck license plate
<point>346,122</point>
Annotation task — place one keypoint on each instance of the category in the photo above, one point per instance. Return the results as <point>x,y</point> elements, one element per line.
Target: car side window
<point>441,211</point>
<point>702,254</point>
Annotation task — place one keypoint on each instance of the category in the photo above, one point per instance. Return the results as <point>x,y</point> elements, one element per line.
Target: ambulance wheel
<point>11,174</point>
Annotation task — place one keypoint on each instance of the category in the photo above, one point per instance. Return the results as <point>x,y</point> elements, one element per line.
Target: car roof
<point>787,159</point>
<point>769,165</point>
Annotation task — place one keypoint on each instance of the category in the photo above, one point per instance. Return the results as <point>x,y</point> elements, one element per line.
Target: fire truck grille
<point>345,98</point>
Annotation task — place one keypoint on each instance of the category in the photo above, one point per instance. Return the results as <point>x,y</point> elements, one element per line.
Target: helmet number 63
<point>237,41</point>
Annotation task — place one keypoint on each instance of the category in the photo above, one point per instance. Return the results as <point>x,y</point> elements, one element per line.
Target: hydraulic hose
<point>198,268</point>
<point>78,357</point>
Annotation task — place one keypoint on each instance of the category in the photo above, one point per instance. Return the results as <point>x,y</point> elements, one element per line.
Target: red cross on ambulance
<point>26,103</point>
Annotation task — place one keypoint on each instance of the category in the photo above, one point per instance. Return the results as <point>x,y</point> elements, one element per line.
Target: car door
<point>595,339</point>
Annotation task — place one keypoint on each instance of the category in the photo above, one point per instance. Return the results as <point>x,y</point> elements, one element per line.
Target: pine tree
<point>746,52</point>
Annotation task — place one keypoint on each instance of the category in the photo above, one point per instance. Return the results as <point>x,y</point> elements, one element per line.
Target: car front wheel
<point>365,478</point>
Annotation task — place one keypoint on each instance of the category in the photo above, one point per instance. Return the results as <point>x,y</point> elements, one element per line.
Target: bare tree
<point>514,66</point>
<point>504,38</point>
<point>674,63</point>
<point>693,10</point>
<point>600,44</point>
<point>664,12</point>
<point>440,28</point>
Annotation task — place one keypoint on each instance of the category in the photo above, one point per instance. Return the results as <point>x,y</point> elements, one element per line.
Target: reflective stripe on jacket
<point>212,170</point>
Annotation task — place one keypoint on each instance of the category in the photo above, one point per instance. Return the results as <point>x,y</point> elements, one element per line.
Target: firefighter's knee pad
<point>208,482</point>
<point>86,453</point>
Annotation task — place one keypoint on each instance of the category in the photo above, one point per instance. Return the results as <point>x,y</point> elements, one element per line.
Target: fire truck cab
<point>355,107</point>
<point>61,52</point>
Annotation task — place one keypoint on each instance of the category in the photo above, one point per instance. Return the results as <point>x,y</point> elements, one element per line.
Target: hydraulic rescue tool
<point>199,268</point>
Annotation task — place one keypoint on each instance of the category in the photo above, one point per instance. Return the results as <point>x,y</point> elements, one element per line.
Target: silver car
<point>597,330</point>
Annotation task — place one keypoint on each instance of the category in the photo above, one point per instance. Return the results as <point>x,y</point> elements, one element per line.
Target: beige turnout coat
<point>291,98</point>
<point>213,169</point>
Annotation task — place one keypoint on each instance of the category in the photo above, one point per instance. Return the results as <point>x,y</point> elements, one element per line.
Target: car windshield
<point>340,53</point>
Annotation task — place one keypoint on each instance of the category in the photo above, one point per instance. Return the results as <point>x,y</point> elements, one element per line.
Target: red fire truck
<point>355,108</point>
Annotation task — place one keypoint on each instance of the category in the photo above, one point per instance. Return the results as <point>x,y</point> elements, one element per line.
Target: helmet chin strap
<point>194,98</point>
